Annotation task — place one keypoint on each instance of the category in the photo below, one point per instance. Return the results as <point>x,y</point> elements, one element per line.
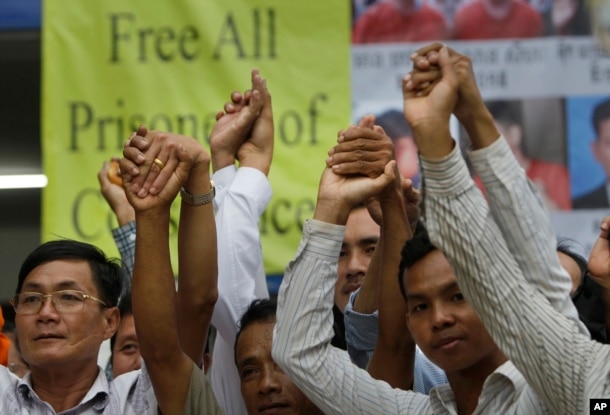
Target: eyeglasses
<point>66,301</point>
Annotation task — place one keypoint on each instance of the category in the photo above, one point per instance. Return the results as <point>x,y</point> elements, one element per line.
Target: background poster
<point>109,66</point>
<point>542,65</point>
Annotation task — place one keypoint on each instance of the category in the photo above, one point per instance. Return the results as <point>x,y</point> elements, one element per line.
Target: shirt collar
<point>442,398</point>
<point>97,396</point>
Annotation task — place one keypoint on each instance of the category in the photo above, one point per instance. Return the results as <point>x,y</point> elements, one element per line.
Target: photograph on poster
<point>538,142</point>
<point>588,130</point>
<point>402,21</point>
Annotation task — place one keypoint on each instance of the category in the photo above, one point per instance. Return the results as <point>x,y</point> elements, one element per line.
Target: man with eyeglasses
<point>66,306</point>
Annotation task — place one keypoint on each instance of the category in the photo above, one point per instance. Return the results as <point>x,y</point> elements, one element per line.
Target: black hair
<point>106,271</point>
<point>262,309</point>
<point>601,113</point>
<point>414,250</point>
<point>125,309</point>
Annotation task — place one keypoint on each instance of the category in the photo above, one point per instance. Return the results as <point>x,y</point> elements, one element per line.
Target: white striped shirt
<point>495,249</point>
<point>301,346</point>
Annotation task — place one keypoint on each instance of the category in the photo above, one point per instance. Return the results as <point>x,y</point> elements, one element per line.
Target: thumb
<point>388,176</point>
<point>379,129</point>
<point>446,65</point>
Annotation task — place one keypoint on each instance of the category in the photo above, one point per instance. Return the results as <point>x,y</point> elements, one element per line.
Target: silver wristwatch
<point>197,200</point>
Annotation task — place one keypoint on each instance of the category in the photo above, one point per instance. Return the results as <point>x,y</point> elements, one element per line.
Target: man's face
<point>264,387</point>
<point>361,236</point>
<point>53,339</point>
<point>442,323</point>
<point>126,350</point>
<point>601,146</point>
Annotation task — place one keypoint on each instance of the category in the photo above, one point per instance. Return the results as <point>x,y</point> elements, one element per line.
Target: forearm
<point>393,359</point>
<point>198,270</point>
<point>124,214</point>
<point>153,292</point>
<point>480,126</point>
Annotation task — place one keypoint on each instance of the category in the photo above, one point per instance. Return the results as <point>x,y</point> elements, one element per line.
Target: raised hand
<point>257,150</point>
<point>338,194</point>
<point>599,258</point>
<point>234,124</point>
<point>469,108</point>
<point>115,195</point>
<point>428,115</point>
<point>178,156</point>
<point>361,150</point>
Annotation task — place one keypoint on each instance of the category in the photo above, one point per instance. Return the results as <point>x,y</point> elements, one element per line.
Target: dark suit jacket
<point>597,198</point>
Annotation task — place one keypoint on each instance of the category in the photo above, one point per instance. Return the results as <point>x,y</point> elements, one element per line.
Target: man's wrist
<point>331,211</point>
<point>199,198</point>
<point>220,161</point>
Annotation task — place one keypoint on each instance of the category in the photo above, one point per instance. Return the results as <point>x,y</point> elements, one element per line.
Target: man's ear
<point>112,317</point>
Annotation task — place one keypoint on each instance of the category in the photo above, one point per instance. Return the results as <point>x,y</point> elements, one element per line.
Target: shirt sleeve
<point>302,335</point>
<point>125,240</point>
<point>560,362</point>
<point>241,275</point>
<point>361,332</point>
<point>222,180</point>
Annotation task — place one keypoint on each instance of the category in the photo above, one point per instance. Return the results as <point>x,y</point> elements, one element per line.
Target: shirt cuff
<point>446,176</point>
<point>222,180</point>
<point>324,240</point>
<point>224,176</point>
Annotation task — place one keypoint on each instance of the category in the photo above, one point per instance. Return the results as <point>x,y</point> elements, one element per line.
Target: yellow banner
<point>109,66</point>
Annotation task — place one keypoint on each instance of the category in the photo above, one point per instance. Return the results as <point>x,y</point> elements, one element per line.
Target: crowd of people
<point>403,297</point>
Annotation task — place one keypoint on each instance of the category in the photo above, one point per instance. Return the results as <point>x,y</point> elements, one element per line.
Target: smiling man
<point>66,306</point>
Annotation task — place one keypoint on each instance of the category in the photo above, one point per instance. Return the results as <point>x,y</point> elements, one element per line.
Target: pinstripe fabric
<point>301,346</point>
<point>129,394</point>
<point>505,259</point>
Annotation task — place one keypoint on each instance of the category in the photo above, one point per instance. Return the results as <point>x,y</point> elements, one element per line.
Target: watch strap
<point>197,200</point>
